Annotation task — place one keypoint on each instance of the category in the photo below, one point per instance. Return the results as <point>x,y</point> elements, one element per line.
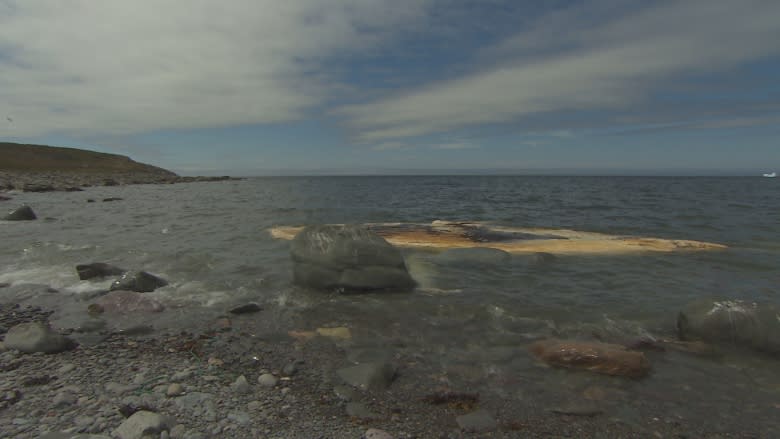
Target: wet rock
<point>24,213</point>
<point>121,302</point>
<point>36,337</point>
<point>746,324</point>
<point>596,357</point>
<point>375,376</point>
<point>105,200</point>
<point>138,281</point>
<point>578,408</point>
<point>347,258</point>
<point>479,421</point>
<point>98,269</point>
<point>246,309</point>
<point>142,423</point>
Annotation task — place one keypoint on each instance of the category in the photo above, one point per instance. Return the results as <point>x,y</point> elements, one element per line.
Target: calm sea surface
<point>211,241</point>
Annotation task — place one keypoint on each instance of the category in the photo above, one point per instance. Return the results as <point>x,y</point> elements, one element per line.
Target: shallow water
<point>211,241</point>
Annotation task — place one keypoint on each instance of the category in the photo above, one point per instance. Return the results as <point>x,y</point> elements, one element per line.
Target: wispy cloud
<point>605,62</point>
<point>125,67</point>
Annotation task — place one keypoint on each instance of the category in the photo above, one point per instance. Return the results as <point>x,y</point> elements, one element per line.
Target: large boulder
<point>98,269</point>
<point>24,213</point>
<point>138,281</point>
<point>347,258</point>
<point>746,324</point>
<point>36,337</point>
<point>604,358</point>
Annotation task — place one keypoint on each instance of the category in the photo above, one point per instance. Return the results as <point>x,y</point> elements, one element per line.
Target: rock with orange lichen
<point>604,358</point>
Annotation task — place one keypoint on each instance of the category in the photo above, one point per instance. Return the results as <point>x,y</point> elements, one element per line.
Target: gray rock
<point>374,376</point>
<point>195,402</point>
<point>24,213</point>
<point>746,324</point>
<point>36,337</point>
<point>375,433</point>
<point>64,399</point>
<point>267,380</point>
<point>63,435</point>
<point>292,368</point>
<point>578,408</point>
<point>138,281</point>
<point>98,269</point>
<point>479,421</point>
<point>347,258</point>
<point>345,393</point>
<point>142,423</point>
<point>183,375</point>
<point>360,411</point>
<point>241,386</point>
<point>239,417</point>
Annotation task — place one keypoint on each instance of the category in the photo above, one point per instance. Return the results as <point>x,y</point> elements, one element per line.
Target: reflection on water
<point>467,324</point>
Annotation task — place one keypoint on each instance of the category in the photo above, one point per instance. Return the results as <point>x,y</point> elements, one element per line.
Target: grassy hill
<point>40,158</point>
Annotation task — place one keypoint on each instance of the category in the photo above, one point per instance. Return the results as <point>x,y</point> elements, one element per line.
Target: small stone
<point>241,386</point>
<point>175,389</point>
<point>240,418</point>
<point>36,337</point>
<point>375,433</point>
<point>291,369</point>
<point>267,380</point>
<point>118,389</point>
<point>64,399</point>
<point>66,368</point>
<point>479,421</point>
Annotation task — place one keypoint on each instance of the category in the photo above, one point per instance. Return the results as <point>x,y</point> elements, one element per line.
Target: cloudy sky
<point>252,87</point>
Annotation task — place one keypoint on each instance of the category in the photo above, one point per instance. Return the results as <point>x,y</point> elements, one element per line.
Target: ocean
<point>472,322</point>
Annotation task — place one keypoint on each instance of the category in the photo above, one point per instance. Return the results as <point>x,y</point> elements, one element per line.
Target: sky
<point>258,87</point>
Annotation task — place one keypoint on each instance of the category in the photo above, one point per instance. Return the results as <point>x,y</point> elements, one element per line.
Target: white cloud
<point>592,64</point>
<point>119,67</point>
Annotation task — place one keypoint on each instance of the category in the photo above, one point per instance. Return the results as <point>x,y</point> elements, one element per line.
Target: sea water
<point>211,241</point>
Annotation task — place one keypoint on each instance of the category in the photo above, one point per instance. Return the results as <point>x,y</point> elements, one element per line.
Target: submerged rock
<point>121,302</point>
<point>98,269</point>
<point>36,337</point>
<point>741,323</point>
<point>138,281</point>
<point>479,421</point>
<point>375,376</point>
<point>246,309</point>
<point>604,358</point>
<point>347,258</point>
<point>24,213</point>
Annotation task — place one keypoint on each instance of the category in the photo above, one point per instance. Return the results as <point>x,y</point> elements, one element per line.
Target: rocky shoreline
<point>228,382</point>
<point>50,181</point>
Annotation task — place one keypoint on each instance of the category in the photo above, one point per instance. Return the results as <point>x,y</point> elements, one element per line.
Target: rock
<point>142,423</point>
<point>345,393</point>
<point>375,433</point>
<point>121,302</point>
<point>746,324</point>
<point>64,399</point>
<point>24,213</point>
<point>360,411</point>
<point>36,337</point>
<point>267,380</point>
<point>291,368</point>
<point>347,258</point>
<point>374,376</point>
<point>479,421</point>
<point>175,389</point>
<point>596,357</point>
<point>138,281</point>
<point>98,269</point>
<point>239,417</point>
<point>241,386</point>
<point>246,309</point>
<point>105,200</point>
<point>473,255</point>
<point>578,408</point>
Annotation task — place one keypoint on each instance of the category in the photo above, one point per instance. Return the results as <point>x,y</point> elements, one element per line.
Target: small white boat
<point>771,175</point>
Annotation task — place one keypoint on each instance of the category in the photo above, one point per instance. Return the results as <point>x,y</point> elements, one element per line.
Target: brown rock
<point>608,359</point>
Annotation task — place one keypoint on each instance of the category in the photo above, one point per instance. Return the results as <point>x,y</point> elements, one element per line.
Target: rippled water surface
<point>211,241</point>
